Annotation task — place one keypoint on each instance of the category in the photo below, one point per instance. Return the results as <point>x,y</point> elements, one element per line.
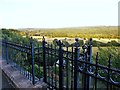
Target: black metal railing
<point>61,66</point>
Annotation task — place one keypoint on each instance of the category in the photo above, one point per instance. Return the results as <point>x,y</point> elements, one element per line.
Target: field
<point>110,32</point>
<point>106,40</point>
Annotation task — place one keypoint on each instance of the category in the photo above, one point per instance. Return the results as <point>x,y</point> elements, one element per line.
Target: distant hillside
<point>82,32</point>
<point>86,32</point>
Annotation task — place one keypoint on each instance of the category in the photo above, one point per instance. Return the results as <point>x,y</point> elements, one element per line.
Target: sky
<point>58,13</point>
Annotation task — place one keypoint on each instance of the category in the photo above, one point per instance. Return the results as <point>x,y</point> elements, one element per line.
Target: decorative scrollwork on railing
<point>115,77</point>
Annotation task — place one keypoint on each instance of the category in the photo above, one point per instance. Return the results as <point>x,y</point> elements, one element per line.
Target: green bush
<point>104,54</point>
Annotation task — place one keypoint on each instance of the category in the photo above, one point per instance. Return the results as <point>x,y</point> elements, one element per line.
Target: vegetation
<point>98,43</point>
<point>82,32</point>
<point>105,32</point>
<point>16,36</point>
<point>104,49</point>
<point>104,56</point>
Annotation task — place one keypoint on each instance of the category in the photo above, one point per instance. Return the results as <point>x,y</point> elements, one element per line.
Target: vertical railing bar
<point>48,65</point>
<point>88,82</point>
<point>22,68</point>
<point>25,72</point>
<point>24,64</point>
<point>51,64</point>
<point>47,54</point>
<point>8,54</point>
<point>4,53</point>
<point>55,68</point>
<point>11,60</point>
<point>2,50</point>
<point>30,70</point>
<point>60,65</point>
<point>44,60</point>
<point>108,74</point>
<point>39,61</point>
<point>32,55</point>
<point>20,63</point>
<point>6,50</point>
<point>28,74</point>
<point>14,57</point>
<point>18,60</point>
<point>72,70</point>
<point>96,71</point>
<point>85,69</point>
<point>78,74</point>
<point>75,68</point>
<point>67,75</point>
<point>28,64</point>
<point>76,56</point>
<point>28,67</point>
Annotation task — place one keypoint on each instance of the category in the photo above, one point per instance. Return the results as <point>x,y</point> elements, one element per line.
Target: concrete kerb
<point>18,80</point>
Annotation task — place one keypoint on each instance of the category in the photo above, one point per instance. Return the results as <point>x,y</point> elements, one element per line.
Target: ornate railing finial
<point>31,40</point>
<point>76,44</point>
<point>59,43</point>
<point>43,38</point>
<point>110,61</point>
<point>90,41</point>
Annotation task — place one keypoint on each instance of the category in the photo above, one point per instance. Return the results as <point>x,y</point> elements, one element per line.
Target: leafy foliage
<point>17,37</point>
<point>104,55</point>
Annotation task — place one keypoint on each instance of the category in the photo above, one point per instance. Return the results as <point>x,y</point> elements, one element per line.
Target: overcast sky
<point>57,13</point>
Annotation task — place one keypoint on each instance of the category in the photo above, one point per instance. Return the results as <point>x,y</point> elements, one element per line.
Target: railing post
<point>6,50</point>
<point>96,71</point>
<point>89,60</point>
<point>44,60</point>
<point>60,65</point>
<point>76,56</point>
<point>1,48</point>
<point>109,72</point>
<point>32,57</point>
<point>75,69</point>
<point>90,50</point>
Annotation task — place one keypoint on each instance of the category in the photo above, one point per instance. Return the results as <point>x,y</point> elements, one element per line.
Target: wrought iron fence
<point>60,66</point>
